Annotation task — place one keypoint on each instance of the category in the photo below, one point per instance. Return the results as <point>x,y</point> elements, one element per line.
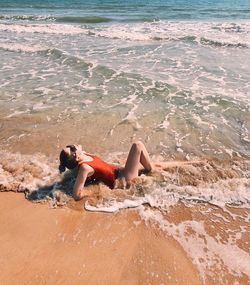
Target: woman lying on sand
<point>94,168</point>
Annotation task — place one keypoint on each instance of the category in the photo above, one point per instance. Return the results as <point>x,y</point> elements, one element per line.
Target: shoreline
<point>71,246</point>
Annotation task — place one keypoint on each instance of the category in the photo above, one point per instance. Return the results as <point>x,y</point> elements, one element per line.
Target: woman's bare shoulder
<point>84,167</point>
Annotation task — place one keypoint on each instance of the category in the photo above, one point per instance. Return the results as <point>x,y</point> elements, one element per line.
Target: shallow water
<point>178,91</point>
<point>174,81</point>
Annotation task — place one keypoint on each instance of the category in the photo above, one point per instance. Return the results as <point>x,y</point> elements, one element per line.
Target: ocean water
<point>174,74</point>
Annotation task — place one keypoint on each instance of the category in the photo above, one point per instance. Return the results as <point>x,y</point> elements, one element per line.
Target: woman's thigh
<point>133,162</point>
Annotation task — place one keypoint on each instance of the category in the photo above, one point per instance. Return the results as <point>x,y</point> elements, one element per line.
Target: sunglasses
<point>72,148</point>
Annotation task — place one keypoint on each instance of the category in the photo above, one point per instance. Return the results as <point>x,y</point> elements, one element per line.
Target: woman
<point>91,166</point>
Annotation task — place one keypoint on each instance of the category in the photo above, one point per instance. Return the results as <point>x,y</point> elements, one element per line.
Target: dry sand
<point>40,245</point>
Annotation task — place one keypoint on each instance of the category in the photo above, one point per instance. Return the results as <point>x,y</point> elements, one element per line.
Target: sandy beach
<point>71,246</point>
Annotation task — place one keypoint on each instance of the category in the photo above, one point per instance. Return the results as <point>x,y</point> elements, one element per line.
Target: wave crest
<point>27,17</point>
<point>221,35</point>
<point>219,44</point>
<point>213,181</point>
<point>21,173</point>
<point>84,20</point>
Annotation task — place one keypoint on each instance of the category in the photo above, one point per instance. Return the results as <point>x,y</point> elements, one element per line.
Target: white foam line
<point>16,113</point>
<point>5,84</point>
<point>201,122</point>
<point>244,134</point>
<point>44,29</point>
<point>196,245</point>
<point>179,140</point>
<point>44,90</point>
<point>131,117</point>
<point>115,206</point>
<point>22,47</point>
<point>165,123</point>
<point>170,30</point>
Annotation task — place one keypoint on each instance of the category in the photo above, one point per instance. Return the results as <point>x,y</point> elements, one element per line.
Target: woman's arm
<point>83,172</point>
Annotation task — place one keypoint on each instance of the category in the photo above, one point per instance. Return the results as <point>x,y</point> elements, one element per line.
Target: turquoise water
<point>102,11</point>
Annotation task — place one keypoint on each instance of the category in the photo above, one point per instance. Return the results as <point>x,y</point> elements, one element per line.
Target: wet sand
<point>72,246</point>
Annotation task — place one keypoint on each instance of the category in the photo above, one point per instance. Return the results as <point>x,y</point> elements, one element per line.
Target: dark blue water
<point>94,11</point>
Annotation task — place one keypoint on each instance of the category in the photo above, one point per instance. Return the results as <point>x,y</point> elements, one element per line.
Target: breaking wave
<point>27,17</point>
<point>43,50</point>
<point>84,20</point>
<point>211,181</point>
<point>49,18</point>
<point>219,35</point>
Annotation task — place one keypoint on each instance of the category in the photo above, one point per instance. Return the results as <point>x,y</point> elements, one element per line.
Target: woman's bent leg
<point>137,155</point>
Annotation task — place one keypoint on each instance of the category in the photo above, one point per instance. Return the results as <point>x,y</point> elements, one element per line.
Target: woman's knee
<point>138,145</point>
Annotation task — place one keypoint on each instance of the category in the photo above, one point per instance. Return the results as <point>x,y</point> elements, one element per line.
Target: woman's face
<point>74,150</point>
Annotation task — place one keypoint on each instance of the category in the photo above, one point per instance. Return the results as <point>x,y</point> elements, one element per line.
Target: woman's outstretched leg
<point>138,155</point>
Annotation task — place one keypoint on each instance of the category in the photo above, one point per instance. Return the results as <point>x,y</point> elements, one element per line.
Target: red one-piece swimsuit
<point>104,172</point>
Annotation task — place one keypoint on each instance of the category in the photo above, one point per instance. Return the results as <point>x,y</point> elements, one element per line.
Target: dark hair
<point>66,160</point>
